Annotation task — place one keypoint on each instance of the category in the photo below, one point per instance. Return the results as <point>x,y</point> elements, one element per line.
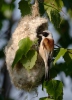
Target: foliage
<point>41,8</point>
<point>45,98</point>
<point>55,18</point>
<point>66,67</point>
<point>54,88</point>
<point>6,10</point>
<point>61,52</point>
<point>26,56</point>
<point>29,60</point>
<point>53,8</point>
<point>65,39</point>
<point>25,7</point>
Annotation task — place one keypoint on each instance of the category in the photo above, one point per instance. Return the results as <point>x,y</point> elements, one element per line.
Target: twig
<point>61,47</point>
<point>51,6</point>
<point>57,45</point>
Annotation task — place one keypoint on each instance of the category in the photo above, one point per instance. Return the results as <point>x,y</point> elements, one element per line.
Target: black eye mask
<point>45,34</point>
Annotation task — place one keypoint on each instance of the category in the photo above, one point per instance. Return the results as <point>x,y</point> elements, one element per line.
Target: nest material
<point>29,26</point>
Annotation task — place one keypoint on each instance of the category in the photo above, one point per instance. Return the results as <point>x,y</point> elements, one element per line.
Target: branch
<point>57,45</point>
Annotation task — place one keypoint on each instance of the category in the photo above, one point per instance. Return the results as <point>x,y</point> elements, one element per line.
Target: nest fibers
<point>29,26</point>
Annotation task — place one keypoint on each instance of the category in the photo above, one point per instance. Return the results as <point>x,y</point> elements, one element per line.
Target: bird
<point>46,50</point>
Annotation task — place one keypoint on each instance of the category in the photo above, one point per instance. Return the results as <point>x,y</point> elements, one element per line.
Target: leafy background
<point>59,13</point>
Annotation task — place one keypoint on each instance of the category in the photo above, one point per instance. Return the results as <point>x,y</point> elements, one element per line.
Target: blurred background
<point>9,17</point>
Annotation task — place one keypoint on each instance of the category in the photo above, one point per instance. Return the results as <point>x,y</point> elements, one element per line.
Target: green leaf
<point>61,67</point>
<point>25,7</point>
<point>45,98</point>
<point>18,56</point>
<point>55,18</point>
<point>25,62</point>
<point>1,3</point>
<point>33,57</point>
<point>65,39</point>
<point>70,53</point>
<point>29,61</point>
<point>61,53</point>
<point>54,88</point>
<point>52,5</point>
<point>7,6</point>
<point>25,45</point>
<point>67,57</point>
<point>41,8</point>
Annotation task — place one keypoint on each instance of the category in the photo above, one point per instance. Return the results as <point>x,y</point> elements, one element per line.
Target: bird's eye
<point>45,34</point>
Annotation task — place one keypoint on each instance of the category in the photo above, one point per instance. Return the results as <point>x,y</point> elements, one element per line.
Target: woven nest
<point>29,26</point>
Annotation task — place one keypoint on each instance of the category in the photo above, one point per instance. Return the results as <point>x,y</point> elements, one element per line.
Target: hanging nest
<point>29,26</point>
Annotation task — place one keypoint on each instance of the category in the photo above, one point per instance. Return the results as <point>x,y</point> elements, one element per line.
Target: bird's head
<point>46,34</point>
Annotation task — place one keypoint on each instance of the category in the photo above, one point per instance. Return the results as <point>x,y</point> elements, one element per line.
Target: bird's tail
<point>47,73</point>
